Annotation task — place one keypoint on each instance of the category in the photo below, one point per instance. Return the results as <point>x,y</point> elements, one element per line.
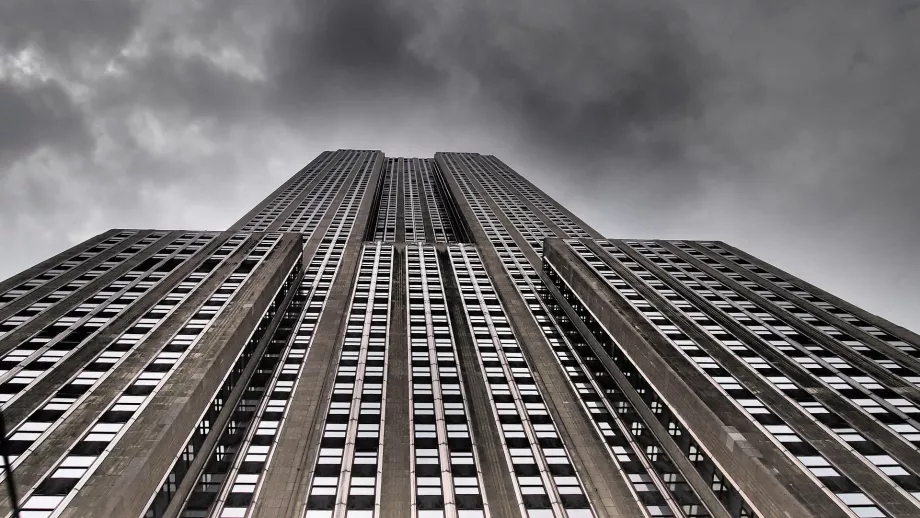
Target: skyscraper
<point>403,337</point>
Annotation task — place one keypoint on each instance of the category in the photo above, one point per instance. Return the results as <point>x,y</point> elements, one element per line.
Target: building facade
<point>438,338</point>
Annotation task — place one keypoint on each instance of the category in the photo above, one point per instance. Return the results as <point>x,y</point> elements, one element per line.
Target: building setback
<point>438,338</point>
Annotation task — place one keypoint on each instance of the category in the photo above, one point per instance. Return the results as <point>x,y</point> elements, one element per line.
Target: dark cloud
<point>786,127</point>
<point>67,31</point>
<point>339,52</point>
<point>37,115</point>
<point>587,77</point>
<point>584,77</point>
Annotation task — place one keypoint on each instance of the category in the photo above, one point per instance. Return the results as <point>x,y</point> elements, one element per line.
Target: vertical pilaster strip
<point>422,186</point>
<point>395,497</point>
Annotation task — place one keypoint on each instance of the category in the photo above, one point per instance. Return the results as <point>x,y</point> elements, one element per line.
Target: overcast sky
<point>790,129</point>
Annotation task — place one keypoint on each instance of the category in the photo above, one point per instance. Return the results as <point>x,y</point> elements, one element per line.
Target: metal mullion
<point>383,386</point>
<point>341,505</point>
<point>380,229</point>
<point>434,214</point>
<point>392,200</point>
<point>413,458</point>
<point>447,482</point>
<point>427,252</point>
<point>515,484</point>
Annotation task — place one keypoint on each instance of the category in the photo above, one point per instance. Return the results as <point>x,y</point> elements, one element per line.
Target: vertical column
<point>396,497</point>
<point>446,478</point>
<point>419,169</point>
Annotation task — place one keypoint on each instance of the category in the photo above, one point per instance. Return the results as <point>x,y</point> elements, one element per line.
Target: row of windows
<point>261,221</point>
<point>33,359</point>
<point>802,399</point>
<point>306,216</point>
<point>747,402</point>
<point>494,231</point>
<point>58,486</point>
<point>347,211</point>
<point>528,224</point>
<point>39,307</point>
<point>446,478</point>
<point>437,212</point>
<point>414,218</point>
<point>347,470</point>
<point>820,315</point>
<point>42,278</point>
<point>335,169</point>
<point>419,179</point>
<point>525,221</point>
<point>770,347</point>
<point>386,212</point>
<point>546,206</point>
<point>24,438</point>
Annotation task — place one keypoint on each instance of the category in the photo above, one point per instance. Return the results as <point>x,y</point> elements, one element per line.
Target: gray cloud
<point>587,77</point>
<point>332,52</point>
<point>787,128</point>
<point>67,32</point>
<point>38,115</point>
